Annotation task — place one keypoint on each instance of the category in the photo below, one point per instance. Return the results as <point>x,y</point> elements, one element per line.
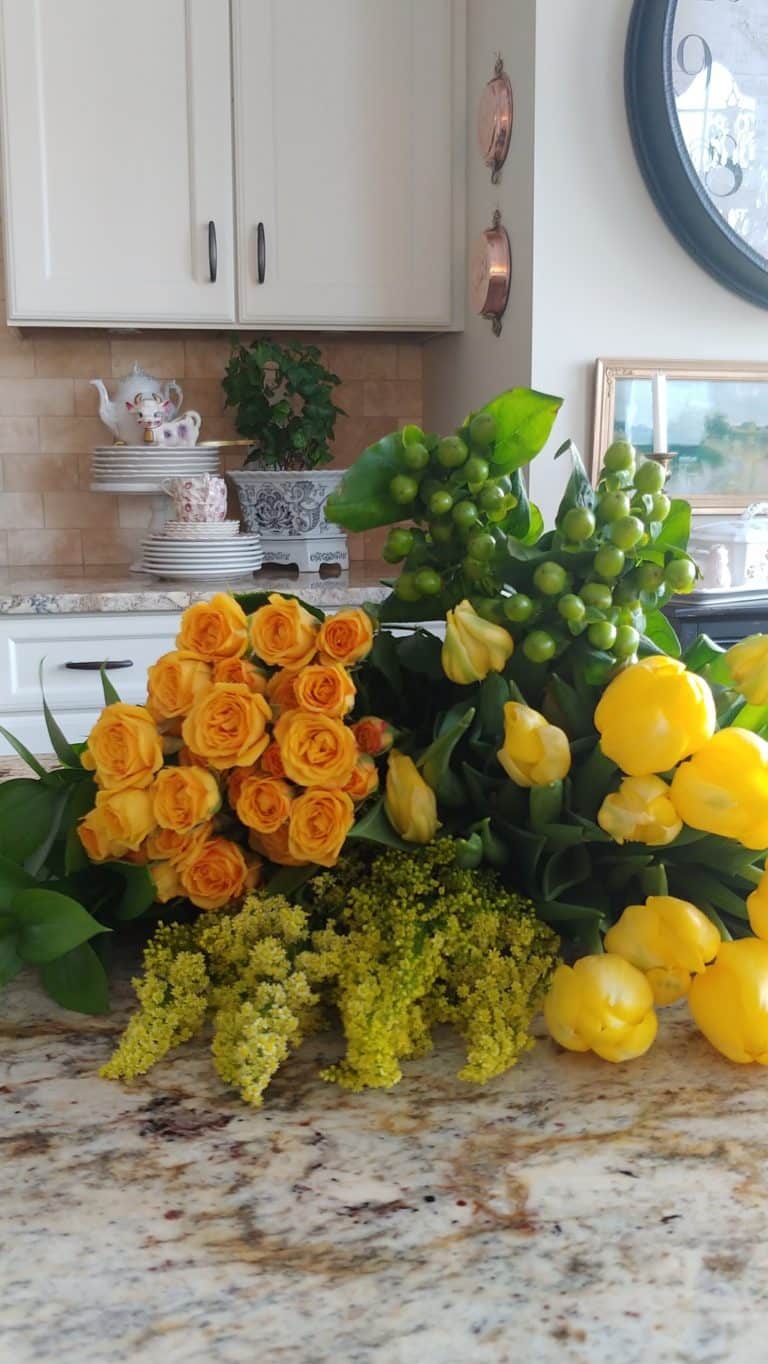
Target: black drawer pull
<point>93,666</point>
<point>213,252</point>
<point>261,254</point>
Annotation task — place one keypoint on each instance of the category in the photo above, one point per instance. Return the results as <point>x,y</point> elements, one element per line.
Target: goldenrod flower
<point>669,940</point>
<point>653,714</point>
<point>602,1004</point>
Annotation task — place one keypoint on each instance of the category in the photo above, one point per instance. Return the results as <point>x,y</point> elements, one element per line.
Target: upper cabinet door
<point>117,146</point>
<point>349,165</point>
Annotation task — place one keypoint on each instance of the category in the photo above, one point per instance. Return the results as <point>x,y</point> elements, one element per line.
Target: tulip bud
<point>640,812</point>
<point>669,940</point>
<point>373,736</point>
<point>410,803</point>
<point>653,714</point>
<point>473,647</point>
<point>757,908</point>
<point>748,665</point>
<point>724,788</point>
<point>729,1001</point>
<point>535,753</point>
<point>601,1004</point>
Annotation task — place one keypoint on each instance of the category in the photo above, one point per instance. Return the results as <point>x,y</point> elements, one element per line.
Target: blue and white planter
<point>287,509</point>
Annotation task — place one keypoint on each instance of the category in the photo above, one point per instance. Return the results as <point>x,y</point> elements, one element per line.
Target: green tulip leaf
<point>374,827</point>
<point>435,759</point>
<point>660,632</point>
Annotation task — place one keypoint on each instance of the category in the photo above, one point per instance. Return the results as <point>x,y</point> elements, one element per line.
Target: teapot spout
<point>106,406</point>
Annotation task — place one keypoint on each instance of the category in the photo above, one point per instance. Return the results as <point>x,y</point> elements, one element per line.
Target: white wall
<point>608,277</point>
<point>464,370</point>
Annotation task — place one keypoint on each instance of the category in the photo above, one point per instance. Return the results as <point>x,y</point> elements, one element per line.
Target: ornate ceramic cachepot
<point>287,509</point>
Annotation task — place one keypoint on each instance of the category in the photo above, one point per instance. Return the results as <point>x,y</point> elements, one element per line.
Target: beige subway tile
<point>45,547</point>
<point>384,397</point>
<point>18,511</point>
<point>19,434</point>
<point>205,357</point>
<point>133,511</point>
<point>37,397</point>
<point>40,473</point>
<point>64,355</point>
<point>71,435</point>
<point>356,548</point>
<point>3,548</point>
<point>221,427</point>
<point>409,360</point>
<point>358,358</point>
<point>374,543</point>
<point>162,357</point>
<point>79,510</point>
<point>17,356</point>
<point>111,545</point>
<point>205,396</point>
<point>349,397</point>
<point>87,400</point>
<point>355,434</point>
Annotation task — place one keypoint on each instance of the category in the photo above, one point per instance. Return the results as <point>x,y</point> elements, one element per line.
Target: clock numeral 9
<point>686,59</point>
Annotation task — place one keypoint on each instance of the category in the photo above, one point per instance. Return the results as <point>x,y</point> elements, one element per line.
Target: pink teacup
<point>199,498</point>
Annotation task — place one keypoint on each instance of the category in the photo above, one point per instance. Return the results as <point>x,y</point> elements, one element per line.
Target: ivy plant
<point>283,394</point>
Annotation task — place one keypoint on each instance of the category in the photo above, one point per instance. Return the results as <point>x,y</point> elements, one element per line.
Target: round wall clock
<point>490,273</point>
<point>696,82</point>
<point>494,120</point>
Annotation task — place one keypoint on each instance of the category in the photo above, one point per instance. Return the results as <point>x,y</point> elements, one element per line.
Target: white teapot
<point>119,413</point>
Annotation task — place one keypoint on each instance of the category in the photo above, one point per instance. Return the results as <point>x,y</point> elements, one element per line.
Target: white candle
<point>660,433</point>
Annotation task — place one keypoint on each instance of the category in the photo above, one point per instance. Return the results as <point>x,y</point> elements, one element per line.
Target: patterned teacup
<point>199,498</point>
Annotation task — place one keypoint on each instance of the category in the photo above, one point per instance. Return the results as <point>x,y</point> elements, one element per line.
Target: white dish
<point>246,561</point>
<point>213,550</point>
<point>198,530</point>
<point>200,575</point>
<point>154,451</point>
<point>184,543</point>
<point>123,485</point>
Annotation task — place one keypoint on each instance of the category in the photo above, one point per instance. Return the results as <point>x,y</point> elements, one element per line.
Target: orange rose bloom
<point>128,818</point>
<point>317,750</point>
<point>174,683</point>
<point>166,845</point>
<point>183,797</point>
<point>271,762</point>
<point>189,759</point>
<point>364,780</point>
<point>264,804</point>
<point>281,690</point>
<point>235,781</point>
<point>124,748</point>
<point>320,821</point>
<point>214,629</point>
<point>216,875</point>
<point>167,882</point>
<point>283,633</point>
<point>92,832</point>
<point>326,688</point>
<point>275,847</point>
<point>346,637</point>
<point>373,736</point>
<point>227,726</point>
<point>240,670</point>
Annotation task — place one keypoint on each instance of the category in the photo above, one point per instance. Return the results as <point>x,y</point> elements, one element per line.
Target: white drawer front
<point>59,640</point>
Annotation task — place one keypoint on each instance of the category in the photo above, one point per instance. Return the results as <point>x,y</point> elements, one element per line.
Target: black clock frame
<point>678,193</point>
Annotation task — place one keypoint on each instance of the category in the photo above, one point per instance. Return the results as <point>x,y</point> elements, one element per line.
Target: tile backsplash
<point>49,422</point>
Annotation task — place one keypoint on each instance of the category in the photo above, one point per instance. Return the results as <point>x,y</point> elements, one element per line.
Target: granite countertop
<point>58,591</point>
<point>570,1211</point>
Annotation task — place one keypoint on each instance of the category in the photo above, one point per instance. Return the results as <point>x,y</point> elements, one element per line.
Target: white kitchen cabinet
<point>116,130</point>
<point>349,170</point>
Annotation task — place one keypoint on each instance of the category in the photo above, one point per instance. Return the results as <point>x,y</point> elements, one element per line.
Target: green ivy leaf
<point>77,980</point>
<point>524,420</point>
<point>49,924</point>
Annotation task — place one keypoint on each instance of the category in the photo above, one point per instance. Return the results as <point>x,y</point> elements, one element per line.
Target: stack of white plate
<point>145,468</point>
<point>166,556</point>
<point>200,530</point>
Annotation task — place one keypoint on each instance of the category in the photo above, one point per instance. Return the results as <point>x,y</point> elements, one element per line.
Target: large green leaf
<point>660,632</point>
<point>77,980</point>
<point>363,500</point>
<point>578,491</point>
<point>60,744</point>
<point>676,530</point>
<point>524,420</point>
<point>13,878</point>
<point>49,924</point>
<point>435,759</point>
<point>27,810</point>
<point>137,892</point>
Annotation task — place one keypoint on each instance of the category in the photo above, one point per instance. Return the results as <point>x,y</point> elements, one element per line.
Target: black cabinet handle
<point>95,666</point>
<point>261,254</point>
<point>213,252</point>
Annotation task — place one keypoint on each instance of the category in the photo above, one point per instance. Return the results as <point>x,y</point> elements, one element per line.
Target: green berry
<point>550,578</point>
<point>597,595</point>
<point>451,452</point>
<point>539,646</point>
<point>412,435</point>
<point>415,456</point>
<point>441,532</point>
<point>626,641</point>
<point>601,634</point>
<point>578,524</point>
<point>403,489</point>
<point>649,577</point>
<point>571,608</point>
<point>625,592</point>
<point>661,507</point>
<point>475,470</point>
<point>406,589</point>
<point>489,608</point>
<point>612,507</point>
<point>619,457</point>
<point>650,477</point>
<point>400,541</point>
<point>440,502</point>
<point>608,561</point>
<point>680,575</point>
<point>492,499</point>
<point>482,546</point>
<point>518,608</point>
<point>465,514</point>
<point>627,531</point>
<point>474,571</point>
<point>482,430</point>
<point>428,582</point>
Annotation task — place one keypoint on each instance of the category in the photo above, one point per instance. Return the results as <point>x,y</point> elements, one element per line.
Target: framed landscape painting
<point>710,419</point>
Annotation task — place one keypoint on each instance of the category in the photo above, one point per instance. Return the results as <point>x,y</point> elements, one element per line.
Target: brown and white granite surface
<point>571,1211</point>
<point>57,592</point>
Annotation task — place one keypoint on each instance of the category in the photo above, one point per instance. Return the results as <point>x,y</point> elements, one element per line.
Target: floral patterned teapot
<point>119,413</point>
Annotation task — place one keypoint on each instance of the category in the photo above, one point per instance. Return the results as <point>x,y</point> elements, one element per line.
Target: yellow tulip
<point>602,1004</point>
<point>473,647</point>
<point>669,940</point>
<point>640,812</point>
<point>757,908</point>
<point>724,788</point>
<point>409,802</point>
<point>729,1001</point>
<point>748,665</point>
<point>535,752</point>
<point>653,714</point>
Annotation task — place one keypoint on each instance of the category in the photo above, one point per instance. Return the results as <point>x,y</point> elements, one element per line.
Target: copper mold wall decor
<point>494,120</point>
<point>490,273</point>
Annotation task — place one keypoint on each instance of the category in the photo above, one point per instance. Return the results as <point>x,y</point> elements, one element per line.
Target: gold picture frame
<point>719,441</point>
